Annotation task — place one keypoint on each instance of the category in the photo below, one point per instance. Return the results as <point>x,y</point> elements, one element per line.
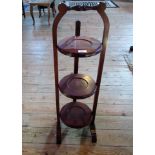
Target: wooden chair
<point>78,86</point>
<point>52,6</point>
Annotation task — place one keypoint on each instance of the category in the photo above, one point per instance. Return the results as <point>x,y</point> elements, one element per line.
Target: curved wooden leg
<point>58,134</point>
<point>49,14</point>
<point>93,133</point>
<point>31,12</point>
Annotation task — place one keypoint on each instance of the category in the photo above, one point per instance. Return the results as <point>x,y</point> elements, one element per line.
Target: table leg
<point>131,49</point>
<point>31,12</point>
<point>39,11</point>
<point>23,9</point>
<point>54,10</point>
<point>49,14</point>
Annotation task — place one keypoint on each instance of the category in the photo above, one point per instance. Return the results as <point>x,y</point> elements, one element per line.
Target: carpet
<point>109,4</point>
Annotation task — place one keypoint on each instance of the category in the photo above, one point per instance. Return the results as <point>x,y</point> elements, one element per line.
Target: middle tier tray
<point>77,86</point>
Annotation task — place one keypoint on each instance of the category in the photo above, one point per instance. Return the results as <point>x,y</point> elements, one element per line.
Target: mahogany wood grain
<point>106,24</point>
<point>77,86</point>
<point>76,59</point>
<point>81,46</point>
<point>76,115</point>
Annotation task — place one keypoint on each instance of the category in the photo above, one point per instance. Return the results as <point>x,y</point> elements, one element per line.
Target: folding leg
<point>58,134</point>
<point>93,133</point>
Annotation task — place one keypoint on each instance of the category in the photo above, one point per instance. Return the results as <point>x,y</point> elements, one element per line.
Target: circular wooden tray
<point>80,46</point>
<point>76,115</point>
<point>77,86</point>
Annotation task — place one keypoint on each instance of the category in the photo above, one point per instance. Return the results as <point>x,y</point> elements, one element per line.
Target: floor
<point>114,111</point>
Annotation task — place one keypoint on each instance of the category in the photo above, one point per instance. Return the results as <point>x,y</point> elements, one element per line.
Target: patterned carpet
<point>109,4</point>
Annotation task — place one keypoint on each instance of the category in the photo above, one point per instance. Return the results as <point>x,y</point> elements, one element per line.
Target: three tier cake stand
<point>75,85</point>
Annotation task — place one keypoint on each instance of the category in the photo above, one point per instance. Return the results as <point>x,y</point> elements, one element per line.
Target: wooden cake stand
<point>78,86</point>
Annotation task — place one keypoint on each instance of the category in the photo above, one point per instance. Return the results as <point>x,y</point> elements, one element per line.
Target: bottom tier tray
<point>76,115</point>
<point>78,86</point>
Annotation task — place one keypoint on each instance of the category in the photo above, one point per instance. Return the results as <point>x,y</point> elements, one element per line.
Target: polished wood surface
<point>76,115</point>
<point>114,111</point>
<point>81,46</point>
<point>77,86</point>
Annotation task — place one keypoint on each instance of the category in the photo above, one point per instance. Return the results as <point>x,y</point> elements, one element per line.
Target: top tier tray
<point>79,46</point>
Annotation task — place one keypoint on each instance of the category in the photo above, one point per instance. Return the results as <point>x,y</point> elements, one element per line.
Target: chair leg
<point>23,9</point>
<point>131,49</point>
<point>44,10</point>
<point>52,6</point>
<point>39,9</point>
<point>54,10</point>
